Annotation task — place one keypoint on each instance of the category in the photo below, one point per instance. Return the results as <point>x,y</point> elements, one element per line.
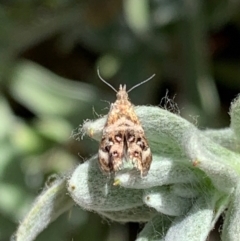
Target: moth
<point>123,140</point>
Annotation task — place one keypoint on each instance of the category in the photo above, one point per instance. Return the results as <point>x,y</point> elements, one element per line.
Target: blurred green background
<point>49,53</point>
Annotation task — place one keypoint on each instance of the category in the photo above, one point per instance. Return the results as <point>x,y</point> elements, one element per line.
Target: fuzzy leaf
<point>196,224</point>
<point>138,214</point>
<point>164,201</point>
<point>186,190</point>
<point>92,190</point>
<point>235,117</point>
<point>163,171</point>
<point>52,202</point>
<point>155,229</point>
<point>231,228</point>
<point>169,134</point>
<point>192,176</point>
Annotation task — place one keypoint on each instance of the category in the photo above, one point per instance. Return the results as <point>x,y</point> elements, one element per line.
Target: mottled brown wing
<point>138,151</point>
<point>111,151</point>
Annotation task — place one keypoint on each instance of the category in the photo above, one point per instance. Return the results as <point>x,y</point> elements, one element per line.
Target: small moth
<point>123,138</point>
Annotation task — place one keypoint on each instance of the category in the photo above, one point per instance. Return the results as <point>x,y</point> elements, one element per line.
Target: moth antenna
<point>135,86</point>
<point>104,81</point>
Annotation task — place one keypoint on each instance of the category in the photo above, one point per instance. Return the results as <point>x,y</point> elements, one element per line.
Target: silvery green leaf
<point>186,190</point>
<point>50,204</point>
<point>224,137</point>
<point>155,229</point>
<point>231,228</point>
<point>137,214</point>
<point>218,163</point>
<point>169,134</point>
<point>235,117</point>
<point>164,201</point>
<point>196,224</point>
<point>92,190</point>
<point>221,205</point>
<point>193,176</point>
<point>163,171</point>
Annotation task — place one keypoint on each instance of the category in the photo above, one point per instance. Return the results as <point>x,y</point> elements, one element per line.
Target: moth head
<point>122,94</point>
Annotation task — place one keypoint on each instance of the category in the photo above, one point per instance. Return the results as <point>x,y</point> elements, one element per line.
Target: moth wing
<point>139,152</point>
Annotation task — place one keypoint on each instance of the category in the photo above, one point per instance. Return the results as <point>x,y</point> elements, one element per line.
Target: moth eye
<point>118,137</point>
<point>115,154</point>
<point>131,138</point>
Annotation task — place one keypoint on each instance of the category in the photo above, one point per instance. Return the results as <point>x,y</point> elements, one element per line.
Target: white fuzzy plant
<point>193,179</point>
